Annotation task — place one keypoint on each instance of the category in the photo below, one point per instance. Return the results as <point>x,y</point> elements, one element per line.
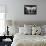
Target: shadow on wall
<point>21,23</point>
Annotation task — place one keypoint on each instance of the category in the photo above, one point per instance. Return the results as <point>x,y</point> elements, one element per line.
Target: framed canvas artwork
<point>30,9</point>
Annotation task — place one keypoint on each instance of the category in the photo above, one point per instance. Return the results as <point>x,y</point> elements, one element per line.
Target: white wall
<point>15,9</point>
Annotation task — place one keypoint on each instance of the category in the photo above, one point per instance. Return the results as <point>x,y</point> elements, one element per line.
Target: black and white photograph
<point>30,9</point>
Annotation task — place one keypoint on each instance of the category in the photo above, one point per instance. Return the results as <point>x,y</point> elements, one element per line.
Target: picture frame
<point>30,9</point>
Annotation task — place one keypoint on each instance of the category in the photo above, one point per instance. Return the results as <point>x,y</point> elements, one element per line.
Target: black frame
<point>30,9</point>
